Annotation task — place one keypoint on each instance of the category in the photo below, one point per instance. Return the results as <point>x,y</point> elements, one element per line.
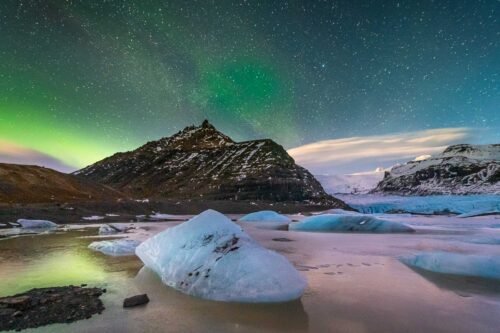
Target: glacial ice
<point>213,258</point>
<point>349,223</point>
<point>118,247</point>
<point>36,224</point>
<point>433,204</point>
<point>160,216</point>
<point>483,266</point>
<point>265,216</point>
<point>109,229</point>
<point>93,218</point>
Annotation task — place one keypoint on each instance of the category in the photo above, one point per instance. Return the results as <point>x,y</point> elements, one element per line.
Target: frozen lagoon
<point>356,282</point>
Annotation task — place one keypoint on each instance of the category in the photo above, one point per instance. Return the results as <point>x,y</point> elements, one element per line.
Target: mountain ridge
<point>199,162</point>
<point>459,169</point>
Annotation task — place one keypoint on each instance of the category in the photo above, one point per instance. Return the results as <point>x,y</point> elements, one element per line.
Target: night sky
<point>80,80</point>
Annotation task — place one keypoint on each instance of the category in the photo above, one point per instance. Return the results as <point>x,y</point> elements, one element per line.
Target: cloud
<point>14,153</point>
<point>357,154</point>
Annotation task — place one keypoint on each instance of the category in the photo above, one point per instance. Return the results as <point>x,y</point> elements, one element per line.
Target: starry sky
<point>80,80</point>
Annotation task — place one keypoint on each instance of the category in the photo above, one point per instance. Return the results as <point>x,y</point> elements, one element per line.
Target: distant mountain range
<point>34,184</point>
<point>200,162</point>
<point>355,183</point>
<point>460,169</point>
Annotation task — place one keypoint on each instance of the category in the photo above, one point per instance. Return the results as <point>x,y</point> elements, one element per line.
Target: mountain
<point>34,184</point>
<point>199,162</point>
<point>459,169</point>
<point>354,183</point>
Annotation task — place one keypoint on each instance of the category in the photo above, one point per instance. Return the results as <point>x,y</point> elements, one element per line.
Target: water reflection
<point>288,316</point>
<point>461,285</point>
<point>55,260</point>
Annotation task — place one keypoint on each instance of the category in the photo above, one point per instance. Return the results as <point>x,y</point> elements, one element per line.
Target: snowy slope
<point>460,169</point>
<point>355,183</point>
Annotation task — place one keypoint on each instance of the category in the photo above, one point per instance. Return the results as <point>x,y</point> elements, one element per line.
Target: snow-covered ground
<point>434,204</point>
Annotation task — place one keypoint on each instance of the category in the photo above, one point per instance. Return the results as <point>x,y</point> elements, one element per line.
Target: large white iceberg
<point>349,223</point>
<point>484,266</point>
<point>118,247</point>
<point>265,216</point>
<point>211,257</point>
<point>36,224</point>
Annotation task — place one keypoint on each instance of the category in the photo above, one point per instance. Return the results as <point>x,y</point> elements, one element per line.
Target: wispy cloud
<point>358,154</point>
<point>11,152</point>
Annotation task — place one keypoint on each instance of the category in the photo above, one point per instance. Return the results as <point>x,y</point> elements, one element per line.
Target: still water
<point>355,285</point>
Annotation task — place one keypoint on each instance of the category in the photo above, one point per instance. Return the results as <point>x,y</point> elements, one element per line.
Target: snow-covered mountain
<point>459,169</point>
<point>355,183</point>
<point>199,162</point>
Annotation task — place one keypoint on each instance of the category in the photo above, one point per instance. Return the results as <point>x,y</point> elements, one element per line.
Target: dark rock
<point>135,300</point>
<point>44,306</point>
<point>201,162</point>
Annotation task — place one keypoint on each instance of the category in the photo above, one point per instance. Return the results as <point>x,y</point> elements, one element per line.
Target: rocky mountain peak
<point>205,136</point>
<point>200,162</point>
<point>459,169</point>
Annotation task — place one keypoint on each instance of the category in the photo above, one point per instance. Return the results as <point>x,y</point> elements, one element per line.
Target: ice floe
<point>265,216</point>
<point>93,218</point>
<point>483,266</point>
<point>118,247</point>
<point>349,223</point>
<point>211,257</point>
<point>109,229</point>
<point>36,224</point>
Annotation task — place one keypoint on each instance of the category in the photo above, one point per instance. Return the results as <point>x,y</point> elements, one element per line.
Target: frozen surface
<point>211,257</point>
<point>36,224</point>
<point>349,223</point>
<point>93,218</point>
<point>118,247</point>
<point>483,266</point>
<point>265,216</point>
<point>160,216</point>
<point>435,204</point>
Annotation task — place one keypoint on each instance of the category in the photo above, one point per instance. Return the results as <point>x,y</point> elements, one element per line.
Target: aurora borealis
<point>80,80</point>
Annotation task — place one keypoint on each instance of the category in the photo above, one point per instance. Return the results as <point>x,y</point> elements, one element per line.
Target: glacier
<point>118,247</point>
<point>36,224</point>
<point>482,266</point>
<point>265,216</point>
<point>466,205</point>
<point>211,257</point>
<point>349,223</point>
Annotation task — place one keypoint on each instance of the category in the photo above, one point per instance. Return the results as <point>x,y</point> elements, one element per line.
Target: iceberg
<point>93,218</point>
<point>265,216</point>
<point>110,229</point>
<point>36,224</point>
<point>349,223</point>
<point>160,216</point>
<point>118,247</point>
<point>211,257</point>
<point>483,266</point>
